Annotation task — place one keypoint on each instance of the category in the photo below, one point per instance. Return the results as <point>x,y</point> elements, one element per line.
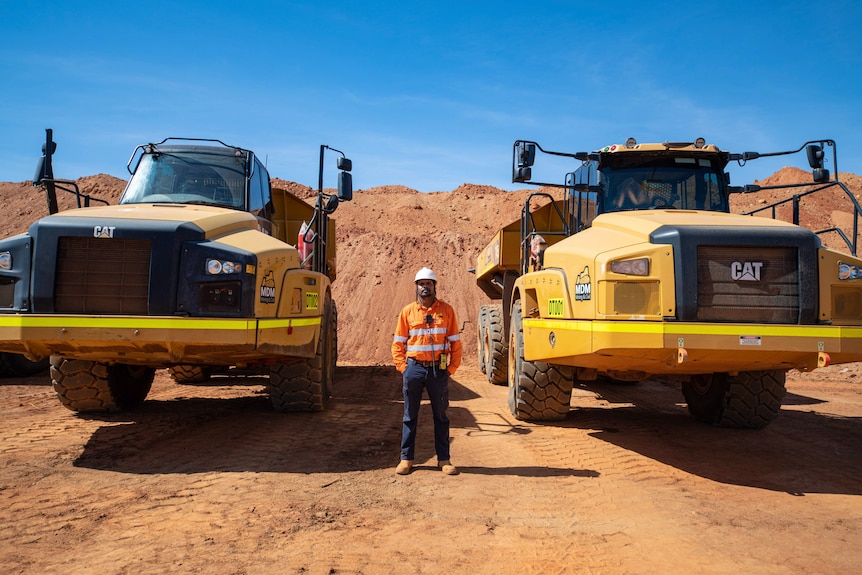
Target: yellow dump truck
<point>201,267</point>
<point>640,271</point>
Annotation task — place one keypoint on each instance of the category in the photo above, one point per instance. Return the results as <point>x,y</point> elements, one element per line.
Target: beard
<point>426,292</point>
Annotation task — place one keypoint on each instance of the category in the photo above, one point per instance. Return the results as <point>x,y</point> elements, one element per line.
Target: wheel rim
<point>701,384</point>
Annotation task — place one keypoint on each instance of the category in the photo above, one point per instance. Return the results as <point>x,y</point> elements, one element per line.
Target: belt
<point>423,363</point>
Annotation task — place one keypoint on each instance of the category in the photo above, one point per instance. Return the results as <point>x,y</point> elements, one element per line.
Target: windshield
<point>690,185</point>
<point>188,178</point>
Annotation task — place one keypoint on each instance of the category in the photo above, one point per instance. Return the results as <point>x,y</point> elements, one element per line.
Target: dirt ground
<point>208,479</point>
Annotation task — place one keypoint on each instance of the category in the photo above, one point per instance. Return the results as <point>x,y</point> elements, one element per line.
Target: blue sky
<point>426,95</point>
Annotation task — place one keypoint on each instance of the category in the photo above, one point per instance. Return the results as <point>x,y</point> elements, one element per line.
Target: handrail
<point>528,227</point>
<point>79,195</point>
<point>852,244</point>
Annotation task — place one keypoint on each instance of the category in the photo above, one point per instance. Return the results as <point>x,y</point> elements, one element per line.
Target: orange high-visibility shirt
<point>423,340</point>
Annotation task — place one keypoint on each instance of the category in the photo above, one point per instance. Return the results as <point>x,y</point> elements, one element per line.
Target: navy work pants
<point>417,377</point>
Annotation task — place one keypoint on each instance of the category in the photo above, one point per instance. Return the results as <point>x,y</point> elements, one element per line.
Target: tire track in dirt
<point>170,435</point>
<point>549,480</point>
<point>208,479</point>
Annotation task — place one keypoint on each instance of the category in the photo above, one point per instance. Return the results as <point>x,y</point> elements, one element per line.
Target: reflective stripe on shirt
<point>428,331</point>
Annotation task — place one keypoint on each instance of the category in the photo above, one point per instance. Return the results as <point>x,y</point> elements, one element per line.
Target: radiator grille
<point>7,292</point>
<point>748,284</point>
<point>102,276</point>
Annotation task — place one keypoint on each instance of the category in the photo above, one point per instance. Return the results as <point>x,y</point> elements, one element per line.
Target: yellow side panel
<point>840,300</point>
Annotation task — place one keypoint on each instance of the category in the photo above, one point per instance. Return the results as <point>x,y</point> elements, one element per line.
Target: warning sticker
<point>555,307</point>
<point>749,340</point>
<point>311,300</point>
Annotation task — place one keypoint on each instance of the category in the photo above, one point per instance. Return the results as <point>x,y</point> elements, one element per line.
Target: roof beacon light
<point>631,143</point>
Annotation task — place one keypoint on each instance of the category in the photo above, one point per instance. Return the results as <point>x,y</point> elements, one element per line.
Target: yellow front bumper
<point>670,348</point>
<point>159,340</point>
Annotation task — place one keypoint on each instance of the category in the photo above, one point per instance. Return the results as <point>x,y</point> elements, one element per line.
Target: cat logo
<point>746,271</point>
<point>583,291</point>
<point>103,231</point>
<point>267,288</point>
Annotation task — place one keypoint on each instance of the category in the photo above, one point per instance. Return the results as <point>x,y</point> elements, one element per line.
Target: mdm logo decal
<point>583,286</point>
<point>267,288</point>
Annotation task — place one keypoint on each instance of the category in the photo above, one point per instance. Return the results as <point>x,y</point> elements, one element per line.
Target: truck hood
<point>644,222</point>
<point>621,229</point>
<point>212,221</point>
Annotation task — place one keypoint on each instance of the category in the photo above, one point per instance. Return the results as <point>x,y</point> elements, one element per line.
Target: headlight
<point>845,271</point>
<point>218,267</point>
<point>5,261</point>
<point>638,267</point>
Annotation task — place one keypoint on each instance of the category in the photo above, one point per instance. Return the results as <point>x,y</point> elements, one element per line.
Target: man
<point>538,245</point>
<point>629,196</point>
<point>426,350</point>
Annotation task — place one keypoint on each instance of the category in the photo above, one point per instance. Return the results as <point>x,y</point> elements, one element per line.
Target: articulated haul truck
<point>202,267</point>
<point>640,271</point>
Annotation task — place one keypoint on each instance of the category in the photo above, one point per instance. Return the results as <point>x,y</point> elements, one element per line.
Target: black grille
<point>748,284</point>
<point>7,292</point>
<point>102,276</point>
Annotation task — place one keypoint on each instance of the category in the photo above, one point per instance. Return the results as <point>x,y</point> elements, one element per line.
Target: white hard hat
<point>425,274</point>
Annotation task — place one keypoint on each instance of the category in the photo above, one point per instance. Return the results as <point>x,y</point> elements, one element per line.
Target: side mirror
<point>815,156</point>
<point>526,154</point>
<point>44,170</point>
<point>344,164</point>
<point>522,174</point>
<point>41,168</point>
<point>815,160</point>
<point>345,186</point>
<point>331,204</point>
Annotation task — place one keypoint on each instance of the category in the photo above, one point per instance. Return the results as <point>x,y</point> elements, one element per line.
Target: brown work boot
<point>404,467</point>
<point>447,467</point>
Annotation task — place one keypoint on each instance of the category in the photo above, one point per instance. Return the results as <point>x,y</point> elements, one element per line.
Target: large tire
<point>496,350</point>
<point>306,384</point>
<point>751,399</point>
<point>16,365</point>
<point>190,373</point>
<point>88,386</point>
<point>538,391</point>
